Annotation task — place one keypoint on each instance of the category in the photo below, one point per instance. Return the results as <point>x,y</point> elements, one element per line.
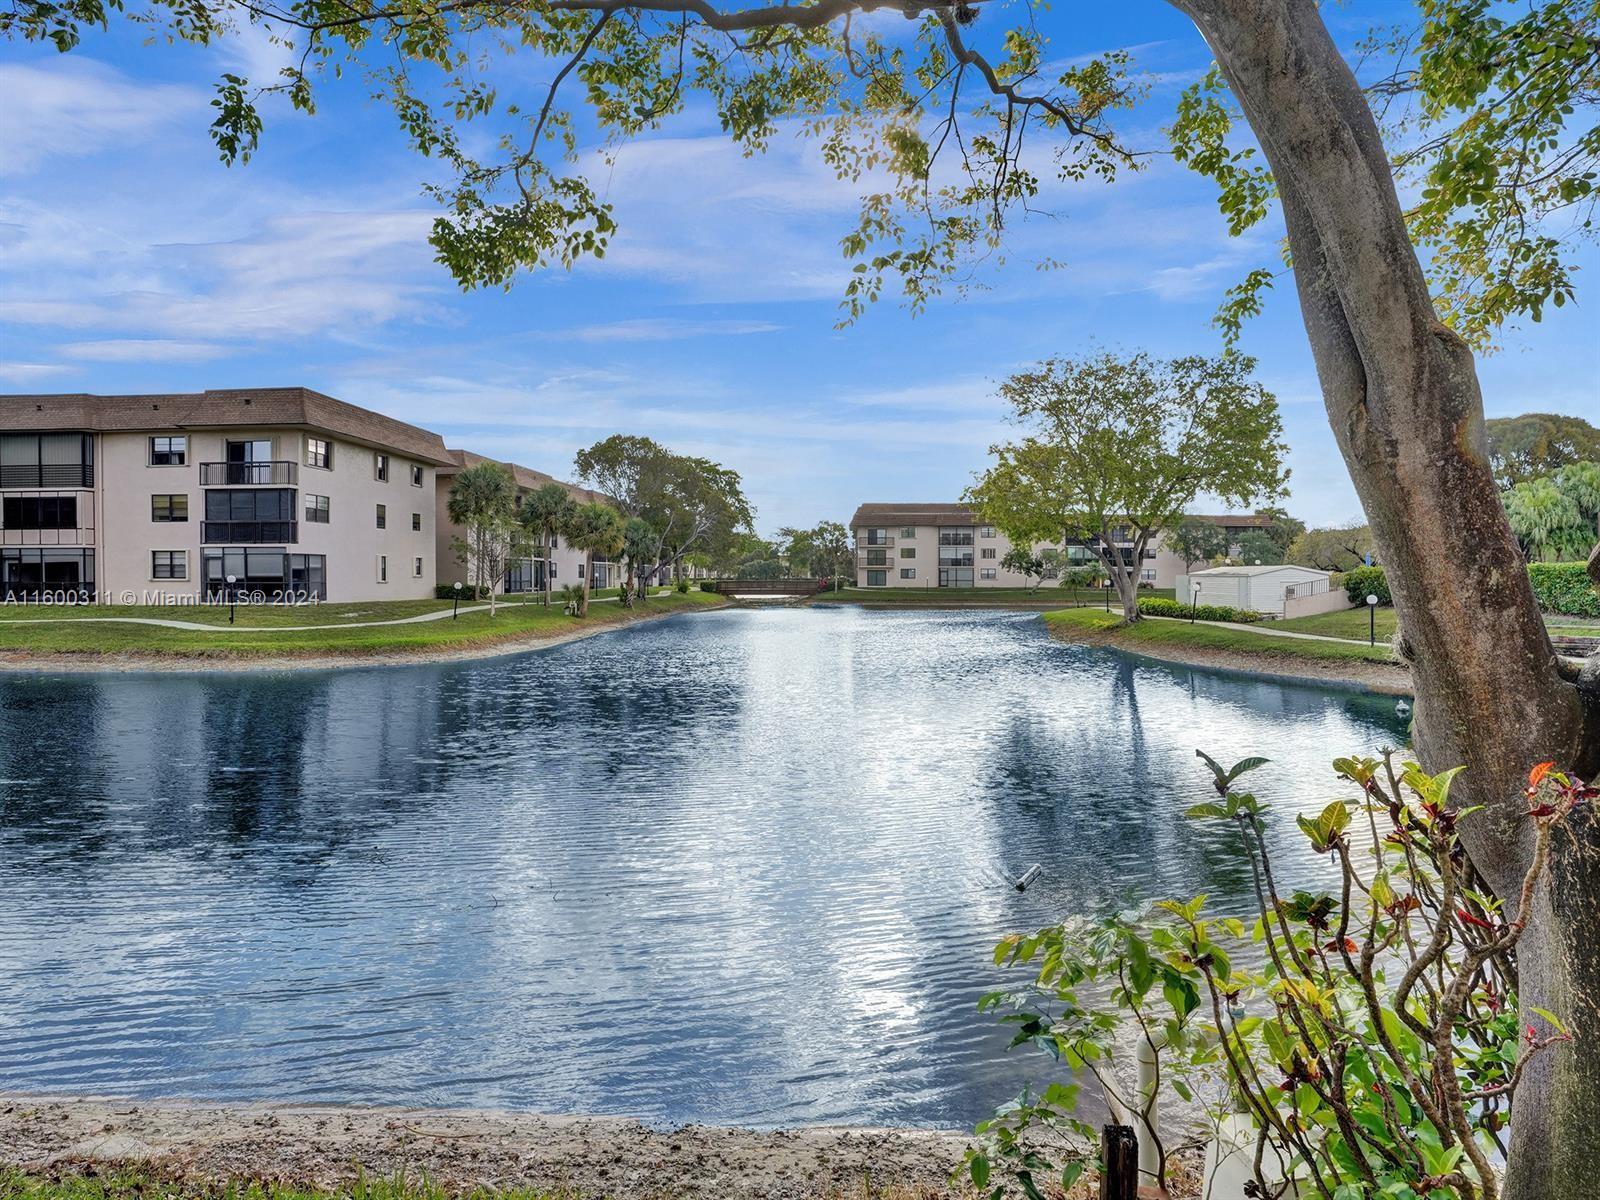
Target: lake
<point>741,867</point>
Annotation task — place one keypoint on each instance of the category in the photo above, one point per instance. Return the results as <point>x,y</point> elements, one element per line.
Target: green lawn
<point>513,621</point>
<point>1350,623</point>
<point>266,616</point>
<point>1181,633</point>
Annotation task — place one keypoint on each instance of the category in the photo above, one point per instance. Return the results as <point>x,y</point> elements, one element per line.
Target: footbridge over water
<point>770,589</point>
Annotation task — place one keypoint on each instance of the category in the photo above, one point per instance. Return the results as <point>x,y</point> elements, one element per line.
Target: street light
<point>1106,585</point>
<point>232,596</point>
<point>1194,602</point>
<point>455,607</point>
<point>1372,619</point>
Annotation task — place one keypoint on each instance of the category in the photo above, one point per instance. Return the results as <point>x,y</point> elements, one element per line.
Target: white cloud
<point>77,106</point>
<point>27,372</point>
<point>143,350</point>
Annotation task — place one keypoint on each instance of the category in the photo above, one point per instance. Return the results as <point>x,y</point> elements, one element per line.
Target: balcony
<point>46,475</point>
<point>233,474</point>
<point>249,533</point>
<point>864,559</point>
<point>880,544</point>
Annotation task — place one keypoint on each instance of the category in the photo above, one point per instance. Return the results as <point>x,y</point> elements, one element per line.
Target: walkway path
<point>203,627</point>
<point>1269,631</point>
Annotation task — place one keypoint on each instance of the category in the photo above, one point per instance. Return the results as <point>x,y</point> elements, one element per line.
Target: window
<point>39,512</point>
<point>380,467</point>
<point>1147,575</point>
<point>316,508</point>
<point>986,573</point>
<point>877,579</point>
<point>31,571</point>
<point>552,570</point>
<point>383,568</point>
<point>319,453</point>
<point>877,537</point>
<point>169,564</point>
<point>908,572</point>
<point>555,544</point>
<point>250,515</point>
<point>580,571</point>
<point>986,531</point>
<point>267,573</point>
<point>908,551</point>
<point>416,567</point>
<point>416,522</point>
<point>249,452</point>
<point>987,552</point>
<point>877,558</point>
<point>169,508</point>
<point>416,475</point>
<point>908,532</point>
<point>169,451</point>
<point>383,517</point>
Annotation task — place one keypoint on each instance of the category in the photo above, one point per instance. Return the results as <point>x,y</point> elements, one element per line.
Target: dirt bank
<point>326,1146</point>
<point>1389,679</point>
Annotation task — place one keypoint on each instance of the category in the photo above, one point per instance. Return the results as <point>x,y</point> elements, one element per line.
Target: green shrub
<point>1564,588</point>
<point>1155,606</point>
<point>708,585</point>
<point>683,586</point>
<point>1367,581</point>
<point>469,591</point>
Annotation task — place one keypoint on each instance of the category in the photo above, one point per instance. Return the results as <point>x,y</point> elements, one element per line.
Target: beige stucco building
<point>135,499</point>
<point>526,574</point>
<point>947,545</point>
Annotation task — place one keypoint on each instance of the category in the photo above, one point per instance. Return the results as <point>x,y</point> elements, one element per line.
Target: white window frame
<point>908,572</point>
<point>380,467</point>
<point>383,568</point>
<point>181,563</point>
<point>327,454</point>
<point>416,567</point>
<point>169,438</point>
<point>417,476</point>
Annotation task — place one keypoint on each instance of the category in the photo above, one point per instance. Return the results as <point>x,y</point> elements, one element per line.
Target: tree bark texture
<point>1402,396</point>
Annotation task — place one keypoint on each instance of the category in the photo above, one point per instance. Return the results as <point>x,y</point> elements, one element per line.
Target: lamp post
<point>1372,619</point>
<point>1105,586</point>
<point>455,605</point>
<point>1194,601</point>
<point>232,597</point>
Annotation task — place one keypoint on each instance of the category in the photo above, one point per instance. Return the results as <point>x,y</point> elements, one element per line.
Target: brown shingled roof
<point>526,477</point>
<point>885,515</point>
<point>221,408</point>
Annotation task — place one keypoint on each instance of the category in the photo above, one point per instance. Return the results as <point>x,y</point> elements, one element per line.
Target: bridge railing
<point>766,587</point>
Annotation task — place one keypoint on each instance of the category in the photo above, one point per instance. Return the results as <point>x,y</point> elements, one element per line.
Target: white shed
<point>1262,589</point>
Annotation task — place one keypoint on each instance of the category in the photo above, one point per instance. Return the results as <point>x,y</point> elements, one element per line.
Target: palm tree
<point>640,545</point>
<point>1546,520</point>
<point>483,501</point>
<point>594,529</point>
<point>545,511</point>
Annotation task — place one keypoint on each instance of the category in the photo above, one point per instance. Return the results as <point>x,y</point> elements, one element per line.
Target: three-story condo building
<point>948,546</point>
<point>290,492</point>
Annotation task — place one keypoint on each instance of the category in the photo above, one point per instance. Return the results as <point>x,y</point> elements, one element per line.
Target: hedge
<point>1155,606</point>
<point>1564,588</point>
<point>469,591</point>
<point>1362,582</point>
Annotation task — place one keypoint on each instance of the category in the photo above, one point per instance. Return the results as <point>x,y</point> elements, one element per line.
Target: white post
<point>1148,1129</point>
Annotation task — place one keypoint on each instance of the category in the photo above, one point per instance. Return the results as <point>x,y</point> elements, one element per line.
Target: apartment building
<point>563,563</point>
<point>947,545</point>
<point>290,492</point>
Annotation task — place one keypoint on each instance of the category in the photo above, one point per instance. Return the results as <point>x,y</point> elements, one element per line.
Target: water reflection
<point>741,867</point>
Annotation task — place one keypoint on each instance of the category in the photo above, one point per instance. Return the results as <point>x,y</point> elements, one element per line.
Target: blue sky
<point>132,260</point>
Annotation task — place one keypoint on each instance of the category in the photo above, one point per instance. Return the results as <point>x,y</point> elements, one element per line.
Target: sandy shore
<point>1388,679</point>
<point>47,663</point>
<point>326,1146</point>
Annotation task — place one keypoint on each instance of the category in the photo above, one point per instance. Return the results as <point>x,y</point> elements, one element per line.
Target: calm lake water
<point>741,867</point>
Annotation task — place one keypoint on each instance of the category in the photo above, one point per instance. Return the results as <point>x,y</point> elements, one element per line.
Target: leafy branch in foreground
<point>1368,1037</point>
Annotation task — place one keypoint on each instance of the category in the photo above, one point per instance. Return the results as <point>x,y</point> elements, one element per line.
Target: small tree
<point>1115,448</point>
<point>483,501</point>
<point>544,512</point>
<point>1023,561</point>
<point>1257,546</point>
<point>594,529</point>
<point>1337,548</point>
<point>641,546</point>
<point>1196,540</point>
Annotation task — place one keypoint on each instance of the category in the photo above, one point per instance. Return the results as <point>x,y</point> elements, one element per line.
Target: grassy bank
<point>1047,596</point>
<point>260,632</point>
<point>1151,635</point>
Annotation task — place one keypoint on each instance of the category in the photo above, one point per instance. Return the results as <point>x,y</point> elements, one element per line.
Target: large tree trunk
<point>1402,397</point>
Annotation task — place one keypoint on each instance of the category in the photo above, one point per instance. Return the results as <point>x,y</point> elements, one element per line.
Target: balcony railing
<point>227,474</point>
<point>249,533</point>
<point>863,560</point>
<point>880,544</point>
<point>46,475</point>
